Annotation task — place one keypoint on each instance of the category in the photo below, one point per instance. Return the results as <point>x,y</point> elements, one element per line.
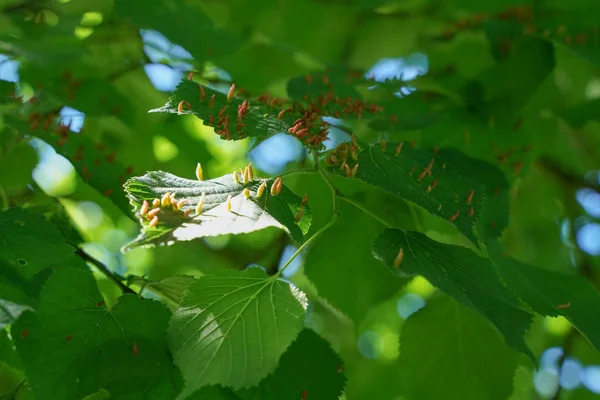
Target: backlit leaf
<point>233,326</point>
<point>246,215</point>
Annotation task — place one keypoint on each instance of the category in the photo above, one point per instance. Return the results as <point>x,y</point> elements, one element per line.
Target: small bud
<point>180,203</point>
<point>355,170</point>
<point>454,216</point>
<point>236,178</point>
<point>230,93</point>
<point>261,189</point>
<point>153,222</point>
<point>250,172</point>
<point>155,202</point>
<point>470,196</point>
<point>246,192</point>
<point>200,204</point>
<point>276,187</point>
<point>152,213</point>
<point>348,170</point>
<point>228,203</point>
<point>199,172</point>
<point>144,208</point>
<point>299,215</point>
<point>399,258</point>
<point>165,199</point>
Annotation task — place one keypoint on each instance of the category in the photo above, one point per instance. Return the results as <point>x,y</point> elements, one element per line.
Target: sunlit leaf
<point>245,214</point>
<point>233,326</point>
<point>170,289</point>
<point>87,346</point>
<point>468,278</point>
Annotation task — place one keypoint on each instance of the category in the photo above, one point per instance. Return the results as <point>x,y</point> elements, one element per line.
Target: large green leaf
<point>470,279</point>
<point>342,257</point>
<point>553,293</point>
<point>246,215</point>
<point>73,345</point>
<point>232,327</point>
<point>447,184</point>
<point>462,350</point>
<point>308,369</point>
<point>29,243</point>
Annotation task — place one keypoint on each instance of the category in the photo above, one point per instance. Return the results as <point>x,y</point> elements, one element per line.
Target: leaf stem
<point>306,243</point>
<point>104,269</point>
<point>365,210</point>
<point>334,192</point>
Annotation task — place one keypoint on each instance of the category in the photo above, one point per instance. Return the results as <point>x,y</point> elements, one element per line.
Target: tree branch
<point>104,269</point>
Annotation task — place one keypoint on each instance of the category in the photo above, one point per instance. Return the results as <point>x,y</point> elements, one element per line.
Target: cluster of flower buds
<point>162,204</point>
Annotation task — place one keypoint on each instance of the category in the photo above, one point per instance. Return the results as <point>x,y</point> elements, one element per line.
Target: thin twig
<point>104,269</point>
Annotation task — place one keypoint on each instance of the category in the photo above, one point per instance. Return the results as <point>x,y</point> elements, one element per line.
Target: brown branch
<point>104,269</point>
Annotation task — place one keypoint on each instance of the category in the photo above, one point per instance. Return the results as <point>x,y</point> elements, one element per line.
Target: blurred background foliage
<point>513,82</point>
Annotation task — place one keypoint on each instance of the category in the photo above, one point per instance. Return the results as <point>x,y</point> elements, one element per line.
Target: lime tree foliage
<point>152,246</point>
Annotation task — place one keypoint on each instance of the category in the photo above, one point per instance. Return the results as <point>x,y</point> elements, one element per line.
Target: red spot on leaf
<point>24,333</point>
<point>107,192</point>
<point>563,306</point>
<point>68,338</point>
<point>100,303</point>
<point>135,349</point>
<point>304,394</point>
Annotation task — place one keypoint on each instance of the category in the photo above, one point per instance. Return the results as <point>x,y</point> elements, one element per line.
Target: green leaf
<point>246,215</point>
<point>341,258</point>
<point>440,183</point>
<point>73,345</point>
<point>233,326</point>
<point>308,369</point>
<point>553,293</point>
<point>170,289</point>
<point>260,122</point>
<point>470,279</point>
<point>29,243</point>
<point>466,354</point>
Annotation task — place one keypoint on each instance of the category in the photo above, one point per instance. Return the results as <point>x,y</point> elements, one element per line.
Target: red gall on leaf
<point>399,258</point>
<point>348,170</point>
<point>228,203</point>
<point>144,208</point>
<point>517,167</point>
<point>107,192</point>
<point>281,114</point>
<point>383,144</point>
<point>155,203</point>
<point>181,104</point>
<point>563,306</point>
<point>187,212</point>
<point>153,222</point>
<point>231,92</point>
<point>276,187</point>
<point>299,215</point>
<point>471,211</point>
<point>222,112</point>
<point>261,189</point>
<point>398,149</point>
<point>470,197</point>
<point>304,200</point>
<point>135,349</point>
<point>165,199</point>
<point>202,93</point>
<point>413,169</point>
<point>190,76</point>
<point>340,368</point>
<point>211,102</point>
<point>68,338</point>
<point>304,394</point>
<point>454,216</point>
<point>422,175</point>
<point>246,193</point>
<point>492,224</point>
<point>180,203</point>
<point>250,172</point>
<point>200,204</point>
<point>355,170</point>
<point>199,172</point>
<point>24,333</point>
<point>434,183</point>
<point>152,213</point>
<point>308,78</point>
<point>100,303</point>
<point>236,178</point>
<point>211,120</point>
